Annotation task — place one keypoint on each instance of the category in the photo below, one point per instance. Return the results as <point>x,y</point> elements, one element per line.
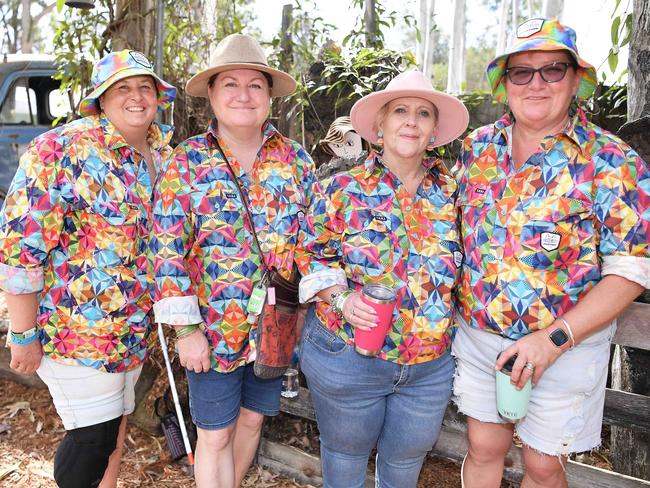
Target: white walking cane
<point>177,403</point>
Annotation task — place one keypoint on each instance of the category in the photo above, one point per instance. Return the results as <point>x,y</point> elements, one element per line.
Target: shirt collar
<point>374,160</point>
<point>158,135</point>
<point>268,131</point>
<point>576,130</point>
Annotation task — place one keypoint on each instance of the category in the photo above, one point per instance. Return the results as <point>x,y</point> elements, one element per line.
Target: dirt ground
<point>30,431</point>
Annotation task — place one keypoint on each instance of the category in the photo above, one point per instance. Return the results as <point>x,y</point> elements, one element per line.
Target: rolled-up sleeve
<point>175,299</point>
<point>32,216</point>
<point>320,259</point>
<point>622,209</point>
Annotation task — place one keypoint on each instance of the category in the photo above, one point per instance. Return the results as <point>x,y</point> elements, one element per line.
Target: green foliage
<point>79,46</point>
<point>607,107</point>
<point>620,33</point>
<point>384,18</point>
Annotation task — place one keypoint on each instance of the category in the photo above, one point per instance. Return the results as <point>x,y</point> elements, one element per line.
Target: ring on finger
<point>529,366</point>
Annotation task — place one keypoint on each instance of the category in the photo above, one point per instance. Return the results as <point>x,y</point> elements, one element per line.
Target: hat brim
<point>497,67</point>
<point>283,83</point>
<point>166,92</point>
<point>452,121</point>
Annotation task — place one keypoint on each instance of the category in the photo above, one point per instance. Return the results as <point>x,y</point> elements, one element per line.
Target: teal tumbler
<point>512,404</point>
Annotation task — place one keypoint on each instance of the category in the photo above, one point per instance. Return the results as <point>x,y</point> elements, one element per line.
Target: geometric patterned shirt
<point>205,260</point>
<point>365,227</point>
<point>537,239</point>
<point>74,227</point>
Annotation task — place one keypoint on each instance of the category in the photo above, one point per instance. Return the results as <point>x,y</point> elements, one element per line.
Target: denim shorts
<point>565,411</point>
<point>215,398</point>
<point>363,402</point>
<point>85,396</point>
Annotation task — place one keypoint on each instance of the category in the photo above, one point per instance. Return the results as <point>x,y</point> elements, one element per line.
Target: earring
<point>431,146</point>
<point>380,138</point>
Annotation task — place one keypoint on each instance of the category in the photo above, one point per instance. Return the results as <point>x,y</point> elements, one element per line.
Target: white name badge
<point>458,258</point>
<point>530,27</point>
<point>549,241</point>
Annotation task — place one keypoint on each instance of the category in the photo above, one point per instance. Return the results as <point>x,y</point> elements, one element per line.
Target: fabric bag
<point>276,328</point>
<point>276,323</point>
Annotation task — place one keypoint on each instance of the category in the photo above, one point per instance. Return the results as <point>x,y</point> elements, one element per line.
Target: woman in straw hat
<point>555,223</point>
<point>389,221</point>
<point>207,264</point>
<point>73,265</point>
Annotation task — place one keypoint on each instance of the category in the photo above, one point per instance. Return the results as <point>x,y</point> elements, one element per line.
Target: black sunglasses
<point>551,73</point>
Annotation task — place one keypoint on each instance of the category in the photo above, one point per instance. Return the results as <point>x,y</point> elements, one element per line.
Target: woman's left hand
<point>535,349</point>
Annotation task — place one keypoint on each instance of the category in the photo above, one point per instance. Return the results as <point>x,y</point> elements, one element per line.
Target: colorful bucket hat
<point>117,66</point>
<point>541,35</point>
<point>452,114</point>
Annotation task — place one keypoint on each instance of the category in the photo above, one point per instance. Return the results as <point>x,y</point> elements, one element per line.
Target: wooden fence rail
<point>621,409</point>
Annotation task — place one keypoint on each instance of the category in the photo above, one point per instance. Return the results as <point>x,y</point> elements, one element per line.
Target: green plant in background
<point>620,32</point>
<point>338,80</point>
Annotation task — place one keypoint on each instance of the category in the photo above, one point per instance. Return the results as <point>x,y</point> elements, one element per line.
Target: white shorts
<point>565,412</point>
<point>85,396</point>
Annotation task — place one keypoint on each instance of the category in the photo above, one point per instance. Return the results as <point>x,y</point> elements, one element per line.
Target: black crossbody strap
<point>244,200</point>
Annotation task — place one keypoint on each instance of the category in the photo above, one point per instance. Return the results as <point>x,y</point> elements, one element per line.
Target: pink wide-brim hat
<point>452,114</point>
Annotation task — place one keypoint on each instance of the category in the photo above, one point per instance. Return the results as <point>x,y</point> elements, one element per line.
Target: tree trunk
<point>456,75</point>
<point>638,89</point>
<point>515,14</point>
<point>503,27</point>
<point>630,450</point>
<point>370,19</point>
<point>423,30</point>
<point>26,27</point>
<point>286,61</point>
<point>553,9</point>
<point>133,26</point>
<point>426,24</point>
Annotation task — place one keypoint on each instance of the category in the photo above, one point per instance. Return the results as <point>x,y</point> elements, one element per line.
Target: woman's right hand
<point>194,352</point>
<point>358,313</point>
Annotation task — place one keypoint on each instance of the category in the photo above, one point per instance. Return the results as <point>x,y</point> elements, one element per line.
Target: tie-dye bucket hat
<point>116,66</point>
<point>541,35</point>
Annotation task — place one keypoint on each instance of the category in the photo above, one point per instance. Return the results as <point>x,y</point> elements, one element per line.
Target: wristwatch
<point>559,337</point>
<point>23,338</point>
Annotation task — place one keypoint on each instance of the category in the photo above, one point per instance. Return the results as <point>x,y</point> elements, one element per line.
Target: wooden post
<point>630,451</point>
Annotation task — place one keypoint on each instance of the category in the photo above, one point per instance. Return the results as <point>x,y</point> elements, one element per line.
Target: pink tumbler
<point>382,299</point>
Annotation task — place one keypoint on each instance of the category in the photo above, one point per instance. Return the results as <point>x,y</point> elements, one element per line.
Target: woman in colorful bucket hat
<point>554,218</point>
<point>391,221</point>
<point>73,265</point>
<point>220,192</point>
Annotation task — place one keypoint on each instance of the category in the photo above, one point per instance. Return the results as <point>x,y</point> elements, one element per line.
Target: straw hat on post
<point>240,51</point>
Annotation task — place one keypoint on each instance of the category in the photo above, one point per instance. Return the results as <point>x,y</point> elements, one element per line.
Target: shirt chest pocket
<point>558,233</point>
<point>218,226</point>
<point>114,226</point>
<point>369,249</point>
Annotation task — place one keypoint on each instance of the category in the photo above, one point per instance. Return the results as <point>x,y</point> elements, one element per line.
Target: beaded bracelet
<point>337,300</point>
<point>187,330</point>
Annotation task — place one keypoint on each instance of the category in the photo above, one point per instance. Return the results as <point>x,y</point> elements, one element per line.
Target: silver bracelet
<point>570,331</point>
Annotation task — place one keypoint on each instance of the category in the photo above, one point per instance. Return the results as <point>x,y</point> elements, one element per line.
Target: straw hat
<point>116,66</point>
<point>452,114</point>
<point>240,51</point>
<point>542,35</point>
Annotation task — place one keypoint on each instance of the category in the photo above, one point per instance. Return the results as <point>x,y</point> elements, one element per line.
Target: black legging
<point>82,456</point>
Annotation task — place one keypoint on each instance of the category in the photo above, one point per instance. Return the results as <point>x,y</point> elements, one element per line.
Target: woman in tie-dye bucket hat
<point>555,227</point>
<point>73,261</point>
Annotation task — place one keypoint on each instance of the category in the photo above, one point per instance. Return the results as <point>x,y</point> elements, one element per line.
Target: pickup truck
<point>30,102</point>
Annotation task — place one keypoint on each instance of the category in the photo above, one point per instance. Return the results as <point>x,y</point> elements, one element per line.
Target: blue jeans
<point>365,402</point>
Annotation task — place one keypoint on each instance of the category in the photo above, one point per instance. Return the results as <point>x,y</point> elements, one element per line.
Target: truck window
<point>19,106</point>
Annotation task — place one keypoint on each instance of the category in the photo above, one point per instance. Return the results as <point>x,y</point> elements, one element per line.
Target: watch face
<point>559,337</point>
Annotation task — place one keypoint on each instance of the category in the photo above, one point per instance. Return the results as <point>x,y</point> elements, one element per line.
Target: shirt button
<point>504,212</point>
